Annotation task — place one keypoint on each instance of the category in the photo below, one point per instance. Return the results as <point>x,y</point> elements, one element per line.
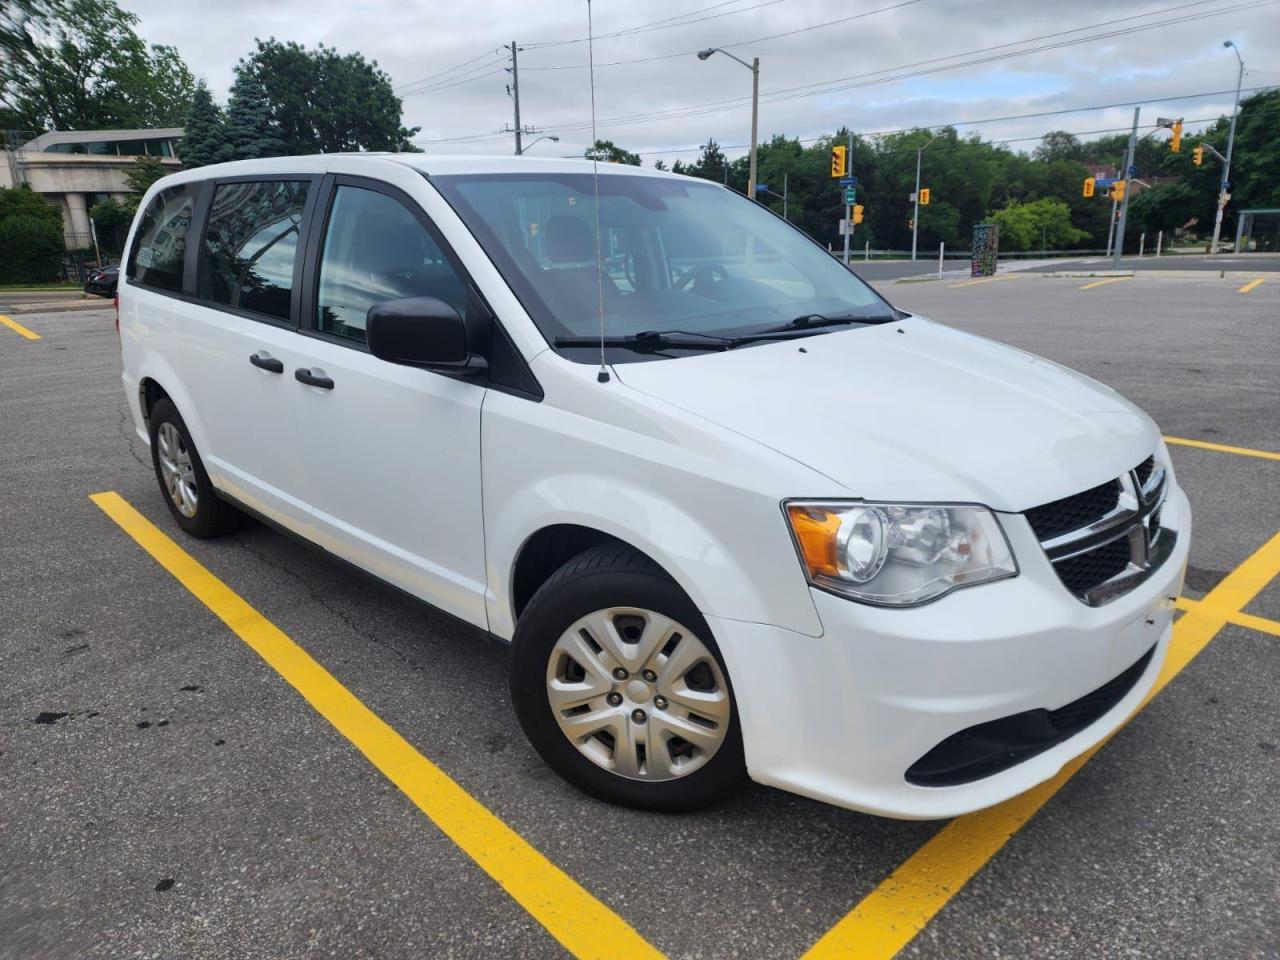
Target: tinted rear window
<point>251,244</point>
<point>160,245</point>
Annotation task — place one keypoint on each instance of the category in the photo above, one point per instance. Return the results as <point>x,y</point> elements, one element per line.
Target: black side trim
<point>997,745</point>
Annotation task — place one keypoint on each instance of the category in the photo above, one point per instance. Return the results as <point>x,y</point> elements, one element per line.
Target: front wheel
<point>620,687</point>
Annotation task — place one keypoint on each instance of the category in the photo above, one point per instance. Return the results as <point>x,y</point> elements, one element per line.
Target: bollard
<point>866,252</point>
<point>941,248</point>
<point>1159,242</point>
<point>1142,244</point>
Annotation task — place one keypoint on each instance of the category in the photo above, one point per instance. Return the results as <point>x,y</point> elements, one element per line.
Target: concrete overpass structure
<point>77,168</point>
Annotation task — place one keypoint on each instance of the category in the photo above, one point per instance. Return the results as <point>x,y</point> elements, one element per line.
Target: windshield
<point>674,255</point>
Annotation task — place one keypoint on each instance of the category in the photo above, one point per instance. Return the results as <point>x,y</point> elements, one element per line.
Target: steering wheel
<point>699,272</point>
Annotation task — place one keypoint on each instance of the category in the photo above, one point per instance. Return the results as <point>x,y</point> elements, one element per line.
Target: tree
<point>1028,226</point>
<point>711,164</point>
<point>205,137</point>
<point>325,102</point>
<point>144,172</point>
<point>78,64</point>
<point>659,165</point>
<point>250,131</point>
<point>31,245</point>
<point>1059,145</point>
<point>607,150</point>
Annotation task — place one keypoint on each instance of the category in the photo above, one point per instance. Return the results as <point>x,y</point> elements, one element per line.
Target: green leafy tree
<point>1026,226</point>
<point>711,164</point>
<point>79,64</point>
<point>325,102</point>
<point>659,165</point>
<point>250,129</point>
<point>204,138</point>
<point>144,172</point>
<point>608,151</point>
<point>31,245</point>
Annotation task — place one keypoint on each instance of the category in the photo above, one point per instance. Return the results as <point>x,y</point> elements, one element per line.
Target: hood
<point>914,411</point>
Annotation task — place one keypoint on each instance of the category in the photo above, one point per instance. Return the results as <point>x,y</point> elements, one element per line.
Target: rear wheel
<point>620,687</point>
<point>187,489</point>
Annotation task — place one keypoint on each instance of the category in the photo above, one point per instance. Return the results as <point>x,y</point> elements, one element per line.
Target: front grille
<point>1106,540</point>
<point>1086,571</point>
<point>997,745</point>
<point>1144,470</point>
<point>1072,513</point>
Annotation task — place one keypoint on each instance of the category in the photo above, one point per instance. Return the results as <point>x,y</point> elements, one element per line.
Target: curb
<point>53,306</point>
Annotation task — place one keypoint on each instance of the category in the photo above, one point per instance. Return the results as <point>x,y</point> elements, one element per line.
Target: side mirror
<point>417,332</point>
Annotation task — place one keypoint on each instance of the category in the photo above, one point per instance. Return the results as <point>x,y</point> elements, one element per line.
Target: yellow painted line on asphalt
<point>1099,283</point>
<point>890,916</point>
<point>582,924</point>
<point>1252,285</point>
<point>1223,448</point>
<point>970,283</point>
<point>1246,620</point>
<point>18,328</point>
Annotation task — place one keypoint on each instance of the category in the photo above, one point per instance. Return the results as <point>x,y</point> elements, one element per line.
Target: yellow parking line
<point>1223,448</point>
<point>18,328</point>
<point>581,923</point>
<point>970,283</point>
<point>1099,283</point>
<point>890,916</point>
<point>1252,285</point>
<point>1246,620</point>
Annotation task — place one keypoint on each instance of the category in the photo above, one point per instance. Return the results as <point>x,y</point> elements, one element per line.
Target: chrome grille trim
<point>1136,517</point>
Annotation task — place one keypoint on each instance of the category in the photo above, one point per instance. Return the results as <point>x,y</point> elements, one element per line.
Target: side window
<point>375,250</point>
<point>250,244</point>
<point>160,244</point>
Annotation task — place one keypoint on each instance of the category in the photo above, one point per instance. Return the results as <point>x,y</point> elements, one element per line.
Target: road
<point>164,793</point>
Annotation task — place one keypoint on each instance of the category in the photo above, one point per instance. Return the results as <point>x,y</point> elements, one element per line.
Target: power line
<point>840,84</point>
<point>442,73</point>
<point>455,83</point>
<point>744,43</point>
<point>664,24</point>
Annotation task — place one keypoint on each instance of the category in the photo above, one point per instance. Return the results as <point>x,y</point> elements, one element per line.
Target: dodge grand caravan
<point>734,512</point>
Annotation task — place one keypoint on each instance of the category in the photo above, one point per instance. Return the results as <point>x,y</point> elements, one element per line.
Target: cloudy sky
<point>883,65</point>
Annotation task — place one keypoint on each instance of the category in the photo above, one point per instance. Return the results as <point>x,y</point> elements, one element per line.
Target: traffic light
<point>839,161</point>
<point>1175,145</point>
<point>924,196</point>
<point>1117,190</point>
<point>1088,186</point>
<point>857,213</point>
<point>1197,155</point>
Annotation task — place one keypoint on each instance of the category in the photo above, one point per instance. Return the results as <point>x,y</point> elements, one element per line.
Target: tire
<point>176,462</point>
<point>643,762</point>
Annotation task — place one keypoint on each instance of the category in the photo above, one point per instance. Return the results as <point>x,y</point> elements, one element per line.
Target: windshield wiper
<point>808,321</point>
<point>654,340</point>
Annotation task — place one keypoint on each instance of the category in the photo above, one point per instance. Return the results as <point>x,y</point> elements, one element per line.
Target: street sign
<point>1133,171</point>
<point>848,181</point>
<point>845,227</point>
<point>1103,181</point>
<point>762,186</point>
<point>850,196</point>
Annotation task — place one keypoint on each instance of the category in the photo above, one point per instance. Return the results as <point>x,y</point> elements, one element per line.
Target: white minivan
<point>734,512</point>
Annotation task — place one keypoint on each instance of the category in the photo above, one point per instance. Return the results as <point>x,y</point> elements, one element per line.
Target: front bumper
<point>841,717</point>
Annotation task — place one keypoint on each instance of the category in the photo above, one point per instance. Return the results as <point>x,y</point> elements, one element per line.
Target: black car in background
<point>102,281</point>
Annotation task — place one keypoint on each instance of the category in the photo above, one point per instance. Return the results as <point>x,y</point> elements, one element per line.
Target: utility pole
<point>848,207</point>
<point>784,196</point>
<point>755,124</point>
<point>1124,202</point>
<point>515,96</point>
<point>1226,163</point>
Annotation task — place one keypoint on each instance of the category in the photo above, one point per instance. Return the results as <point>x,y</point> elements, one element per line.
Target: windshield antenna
<point>603,375</point>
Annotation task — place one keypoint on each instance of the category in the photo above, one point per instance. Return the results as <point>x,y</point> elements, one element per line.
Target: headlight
<point>898,554</point>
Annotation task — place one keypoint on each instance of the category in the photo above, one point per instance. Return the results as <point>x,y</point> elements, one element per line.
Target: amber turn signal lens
<point>815,531</point>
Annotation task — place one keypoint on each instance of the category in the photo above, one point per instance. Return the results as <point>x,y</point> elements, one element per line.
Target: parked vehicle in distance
<point>102,281</point>
<point>735,513</point>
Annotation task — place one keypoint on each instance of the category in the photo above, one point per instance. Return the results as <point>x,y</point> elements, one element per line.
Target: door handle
<point>303,375</point>
<point>266,361</point>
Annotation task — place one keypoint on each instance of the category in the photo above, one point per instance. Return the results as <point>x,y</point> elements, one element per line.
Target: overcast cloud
<point>413,41</point>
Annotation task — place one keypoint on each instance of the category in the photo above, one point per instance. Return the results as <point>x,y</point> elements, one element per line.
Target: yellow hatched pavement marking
<point>18,328</point>
<point>890,916</point>
<point>970,283</point>
<point>582,924</point>
<point>1252,285</point>
<point>1099,283</point>
<point>1223,448</point>
<point>1240,619</point>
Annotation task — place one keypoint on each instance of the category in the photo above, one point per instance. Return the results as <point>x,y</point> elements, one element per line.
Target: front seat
<point>577,278</point>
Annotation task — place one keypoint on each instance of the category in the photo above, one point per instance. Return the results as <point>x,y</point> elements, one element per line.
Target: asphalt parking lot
<point>178,779</point>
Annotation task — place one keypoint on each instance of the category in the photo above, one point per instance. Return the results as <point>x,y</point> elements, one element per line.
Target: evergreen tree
<point>205,138</point>
<point>251,133</point>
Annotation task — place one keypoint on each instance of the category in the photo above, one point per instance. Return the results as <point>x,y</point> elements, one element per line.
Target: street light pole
<point>1231,142</point>
<point>915,215</point>
<point>550,136</point>
<point>754,67</point>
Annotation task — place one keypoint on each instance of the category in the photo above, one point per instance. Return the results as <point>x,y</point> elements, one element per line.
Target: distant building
<point>78,168</point>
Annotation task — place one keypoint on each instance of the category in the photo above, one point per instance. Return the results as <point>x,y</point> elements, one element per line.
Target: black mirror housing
<point>417,332</point>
